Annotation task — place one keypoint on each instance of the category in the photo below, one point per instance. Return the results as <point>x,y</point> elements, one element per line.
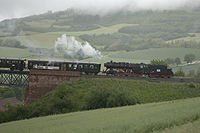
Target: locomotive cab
<point>159,71</point>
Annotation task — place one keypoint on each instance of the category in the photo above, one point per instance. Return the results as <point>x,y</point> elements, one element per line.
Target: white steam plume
<point>76,49</point>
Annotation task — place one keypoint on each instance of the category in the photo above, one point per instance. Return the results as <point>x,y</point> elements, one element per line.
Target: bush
<point>180,73</point>
<point>107,98</point>
<point>192,85</point>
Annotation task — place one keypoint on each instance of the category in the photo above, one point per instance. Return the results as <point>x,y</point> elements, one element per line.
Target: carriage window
<point>31,64</point>
<point>56,64</point>
<point>4,61</point>
<point>91,67</point>
<point>8,61</point>
<point>40,64</point>
<point>70,66</point>
<point>95,67</point>
<point>80,66</point>
<point>75,66</point>
<point>86,66</point>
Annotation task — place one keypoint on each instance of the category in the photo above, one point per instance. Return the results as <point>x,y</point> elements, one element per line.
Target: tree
<point>191,73</point>
<point>158,62</point>
<point>169,60</point>
<point>177,61</point>
<point>180,73</point>
<point>189,58</point>
<point>198,73</point>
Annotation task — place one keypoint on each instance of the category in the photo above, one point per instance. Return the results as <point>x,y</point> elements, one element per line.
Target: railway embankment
<point>172,80</point>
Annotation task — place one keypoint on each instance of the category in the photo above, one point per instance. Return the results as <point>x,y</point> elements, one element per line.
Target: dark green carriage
<point>85,67</point>
<point>13,63</point>
<point>43,64</point>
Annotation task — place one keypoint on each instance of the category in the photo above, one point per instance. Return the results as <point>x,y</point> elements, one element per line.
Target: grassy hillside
<point>89,94</point>
<point>138,118</point>
<point>197,37</point>
<point>14,52</point>
<point>188,127</point>
<point>160,53</point>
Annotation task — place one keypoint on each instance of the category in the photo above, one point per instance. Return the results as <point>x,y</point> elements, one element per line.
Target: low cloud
<point>21,8</point>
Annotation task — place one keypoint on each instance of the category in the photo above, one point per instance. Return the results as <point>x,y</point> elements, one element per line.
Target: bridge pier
<point>44,81</point>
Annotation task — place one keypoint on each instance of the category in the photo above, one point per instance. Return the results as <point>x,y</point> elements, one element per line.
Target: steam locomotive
<point>135,69</point>
<point>112,68</point>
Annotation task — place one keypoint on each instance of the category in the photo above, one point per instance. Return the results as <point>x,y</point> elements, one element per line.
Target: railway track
<point>157,80</point>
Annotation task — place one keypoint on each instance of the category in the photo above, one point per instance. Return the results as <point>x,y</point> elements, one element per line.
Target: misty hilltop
<point>135,30</point>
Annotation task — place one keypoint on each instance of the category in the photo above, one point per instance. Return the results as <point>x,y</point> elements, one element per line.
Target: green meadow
<point>102,30</point>
<point>14,52</point>
<point>153,117</point>
<point>188,38</point>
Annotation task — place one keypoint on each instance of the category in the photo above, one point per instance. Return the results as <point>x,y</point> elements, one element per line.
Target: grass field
<point>188,38</point>
<point>43,23</point>
<point>102,30</point>
<point>47,40</point>
<point>14,52</point>
<point>190,127</point>
<point>138,118</point>
<point>160,53</point>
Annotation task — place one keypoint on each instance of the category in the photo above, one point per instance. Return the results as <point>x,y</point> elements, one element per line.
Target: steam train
<point>112,68</point>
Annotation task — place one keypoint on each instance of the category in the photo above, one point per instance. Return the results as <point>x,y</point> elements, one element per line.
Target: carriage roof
<point>13,59</point>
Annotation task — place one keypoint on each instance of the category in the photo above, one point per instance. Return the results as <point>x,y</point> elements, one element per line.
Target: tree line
<point>189,58</point>
<point>117,42</point>
<point>11,43</point>
<point>8,92</point>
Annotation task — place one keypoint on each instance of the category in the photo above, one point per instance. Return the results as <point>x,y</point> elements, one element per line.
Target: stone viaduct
<point>44,81</point>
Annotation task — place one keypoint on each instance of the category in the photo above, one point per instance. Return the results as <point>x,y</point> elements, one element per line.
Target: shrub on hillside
<point>180,73</point>
<point>102,97</point>
<point>192,85</point>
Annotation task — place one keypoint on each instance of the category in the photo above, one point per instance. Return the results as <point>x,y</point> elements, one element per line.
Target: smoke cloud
<point>75,49</point>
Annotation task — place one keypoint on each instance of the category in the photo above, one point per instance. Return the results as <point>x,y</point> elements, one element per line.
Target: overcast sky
<point>21,8</point>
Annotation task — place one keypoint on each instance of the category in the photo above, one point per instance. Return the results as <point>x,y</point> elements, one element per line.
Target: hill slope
<point>138,118</point>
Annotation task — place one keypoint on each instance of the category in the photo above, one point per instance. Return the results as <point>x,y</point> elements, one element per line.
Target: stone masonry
<point>43,81</point>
